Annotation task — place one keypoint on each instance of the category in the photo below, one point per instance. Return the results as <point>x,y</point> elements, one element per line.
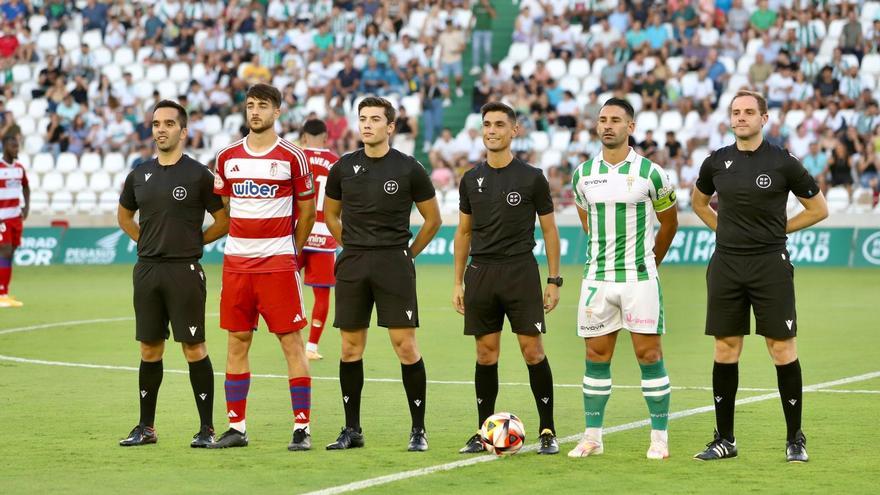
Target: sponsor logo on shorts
<point>417,402</point>
<point>203,396</point>
<point>789,323</point>
<point>763,181</point>
<point>193,330</point>
<point>538,326</point>
<point>514,198</point>
<point>297,319</point>
<point>391,187</point>
<point>592,328</point>
<point>250,189</point>
<point>143,393</point>
<point>409,314</point>
<point>635,320</point>
<point>179,193</point>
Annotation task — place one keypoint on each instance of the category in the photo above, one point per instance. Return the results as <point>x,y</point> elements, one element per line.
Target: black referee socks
<point>415,384</point>
<point>541,380</point>
<point>486,385</point>
<point>725,381</point>
<point>149,380</point>
<point>791,390</point>
<point>201,377</point>
<point>351,382</point>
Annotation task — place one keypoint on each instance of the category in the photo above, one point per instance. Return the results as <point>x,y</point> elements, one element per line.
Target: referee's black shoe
<point>203,438</point>
<point>473,446</point>
<point>796,450</point>
<point>418,441</point>
<point>349,438</point>
<point>302,440</point>
<point>230,438</point>
<point>140,435</point>
<point>718,448</point>
<point>549,443</point>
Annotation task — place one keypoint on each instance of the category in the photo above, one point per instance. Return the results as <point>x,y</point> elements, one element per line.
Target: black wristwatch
<point>557,281</point>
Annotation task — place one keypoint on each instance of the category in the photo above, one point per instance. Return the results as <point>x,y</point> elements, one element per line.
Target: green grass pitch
<point>59,424</point>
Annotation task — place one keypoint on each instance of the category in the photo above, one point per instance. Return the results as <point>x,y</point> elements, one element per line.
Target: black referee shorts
<point>492,291</point>
<point>168,292</point>
<point>764,282</point>
<point>384,277</point>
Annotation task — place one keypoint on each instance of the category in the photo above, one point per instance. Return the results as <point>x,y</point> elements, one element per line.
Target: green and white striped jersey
<point>621,201</point>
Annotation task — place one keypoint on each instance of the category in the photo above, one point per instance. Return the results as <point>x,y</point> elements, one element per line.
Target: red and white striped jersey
<point>320,161</point>
<point>12,180</point>
<point>262,190</point>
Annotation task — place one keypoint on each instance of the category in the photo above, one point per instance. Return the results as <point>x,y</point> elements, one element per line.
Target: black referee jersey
<point>502,203</point>
<point>172,201</point>
<point>753,189</point>
<point>377,195</point>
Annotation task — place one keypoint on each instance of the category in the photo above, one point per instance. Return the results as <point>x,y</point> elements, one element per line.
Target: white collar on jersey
<point>631,157</point>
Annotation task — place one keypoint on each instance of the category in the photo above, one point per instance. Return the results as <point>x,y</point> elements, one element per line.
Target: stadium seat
<point>754,45</point>
<point>672,175</point>
<point>37,108</point>
<point>142,54</point>
<point>635,99</point>
<point>647,121</point>
<point>100,181</point>
<point>118,182</point>
<point>540,141</point>
<point>114,162</point>
<point>17,107</point>
<point>233,122</point>
<point>179,72</point>
<point>156,73</point>
<point>34,181</point>
<point>317,104</point>
<point>36,23</point>
<point>75,181</point>
<point>213,124</point>
<point>835,28</point>
<point>93,38</point>
<point>413,105</point>
<point>518,52</point>
<point>102,56</point>
<point>53,181</point>
<point>33,144</point>
<point>551,158</point>
<point>871,64</point>
<point>737,81</point>
<point>674,63</point>
<point>47,41</point>
<point>143,89</point>
<point>25,160</point>
<point>579,67</point>
<point>417,20</point>
<point>560,140</point>
<point>108,201</point>
<point>27,124</point>
<point>123,56</point>
<point>25,89</point>
<point>542,50</point>
<point>671,120</point>
<point>69,39</point>
<point>473,121</point>
<point>745,63</point>
<point>557,68</point>
<point>205,157</point>
<point>220,141</point>
<point>863,200</point>
<point>698,155</point>
<point>598,65</point>
<point>43,162</point>
<point>21,73</point>
<point>66,162</point>
<point>62,202</point>
<point>112,71</point>
<point>167,90</point>
<point>590,84</point>
<point>90,162</point>
<point>198,71</point>
<point>683,198</point>
<point>793,118</point>
<point>136,70</point>
<point>86,202</point>
<point>570,83</point>
<point>39,201</point>
<point>527,67</point>
<point>838,200</point>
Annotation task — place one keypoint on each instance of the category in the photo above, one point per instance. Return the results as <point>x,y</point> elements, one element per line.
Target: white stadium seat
<point>838,200</point>
<point>123,56</point>
<point>647,121</point>
<point>21,73</point>
<point>66,162</point>
<point>69,40</point>
<point>233,123</point>
<point>53,181</point>
<point>43,162</point>
<point>114,162</point>
<point>33,144</point>
<point>93,38</point>
<point>213,124</point>
<point>557,68</point>
<point>551,158</point>
<point>871,64</point>
<point>179,72</point>
<point>100,181</point>
<point>75,181</point>
<point>39,201</point>
<point>540,141</point>
<point>542,50</point>
<point>156,73</point>
<point>27,124</point>
<point>118,182</point>
<point>671,121</point>
<point>102,56</point>
<point>36,23</point>
<point>90,162</point>
<point>112,71</point>
<point>518,52</point>
<point>560,140</point>
<point>136,71</point>
<point>17,107</point>
<point>579,67</point>
<point>220,141</point>
<point>108,201</point>
<point>86,202</point>
<point>413,105</point>
<point>47,41</point>
<point>62,202</point>
<point>167,90</point>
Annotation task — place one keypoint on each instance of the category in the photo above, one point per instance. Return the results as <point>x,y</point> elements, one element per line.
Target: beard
<point>264,126</point>
<point>168,145</point>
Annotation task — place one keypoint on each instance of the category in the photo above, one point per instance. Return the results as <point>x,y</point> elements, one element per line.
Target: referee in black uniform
<point>172,193</point>
<point>751,267</point>
<point>499,200</point>
<point>370,193</point>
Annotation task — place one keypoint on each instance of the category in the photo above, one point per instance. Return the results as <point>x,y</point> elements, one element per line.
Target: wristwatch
<point>557,281</point>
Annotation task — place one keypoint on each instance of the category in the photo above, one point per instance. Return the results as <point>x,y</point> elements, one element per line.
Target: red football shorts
<point>318,267</point>
<point>276,296</point>
<point>11,228</point>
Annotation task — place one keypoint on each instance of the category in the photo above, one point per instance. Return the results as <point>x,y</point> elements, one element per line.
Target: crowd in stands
<point>679,62</point>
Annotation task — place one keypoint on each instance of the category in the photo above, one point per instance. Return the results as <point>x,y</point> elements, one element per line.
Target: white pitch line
<point>414,473</point>
<point>44,362</point>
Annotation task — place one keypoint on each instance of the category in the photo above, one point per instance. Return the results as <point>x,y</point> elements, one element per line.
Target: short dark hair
<point>314,127</point>
<point>497,106</point>
<point>622,103</point>
<point>762,102</point>
<point>375,101</point>
<point>10,137</point>
<point>181,112</point>
<point>265,92</point>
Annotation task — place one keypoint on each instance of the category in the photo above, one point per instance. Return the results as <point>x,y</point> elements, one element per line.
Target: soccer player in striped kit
<point>618,194</point>
<point>13,185</point>
<point>259,178</point>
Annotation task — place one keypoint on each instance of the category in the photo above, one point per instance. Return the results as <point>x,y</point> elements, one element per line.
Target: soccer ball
<point>503,434</point>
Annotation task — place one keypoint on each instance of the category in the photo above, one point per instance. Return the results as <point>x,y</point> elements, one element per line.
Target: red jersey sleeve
<point>24,179</point>
<point>301,176</point>
<point>221,185</point>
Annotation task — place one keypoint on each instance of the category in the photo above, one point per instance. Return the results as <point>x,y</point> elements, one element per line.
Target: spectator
<point>406,129</point>
<point>763,18</point>
<point>434,93</point>
<point>840,170</point>
<point>337,130</point>
<point>649,146</point>
<point>452,44</point>
<point>118,134</point>
<point>77,134</point>
<point>145,154</point>
<point>652,93</point>
<point>67,109</point>
<point>738,17</point>
<point>780,86</point>
<point>759,72</point>
<point>56,136</point>
<point>827,86</point>
<point>94,16</point>
<point>851,39</point>
<point>8,44</point>
<point>816,162</point>
<point>799,142</point>
<point>481,37</point>
<point>444,151</point>
<point>373,78</point>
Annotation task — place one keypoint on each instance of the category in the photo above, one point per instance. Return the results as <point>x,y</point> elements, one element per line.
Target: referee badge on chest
<point>514,198</point>
<point>273,169</point>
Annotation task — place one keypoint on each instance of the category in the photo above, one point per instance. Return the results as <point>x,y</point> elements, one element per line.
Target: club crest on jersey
<point>514,198</point>
<point>391,187</point>
<point>629,182</point>
<point>218,181</point>
<point>273,169</point>
<point>250,189</point>
<point>763,181</point>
